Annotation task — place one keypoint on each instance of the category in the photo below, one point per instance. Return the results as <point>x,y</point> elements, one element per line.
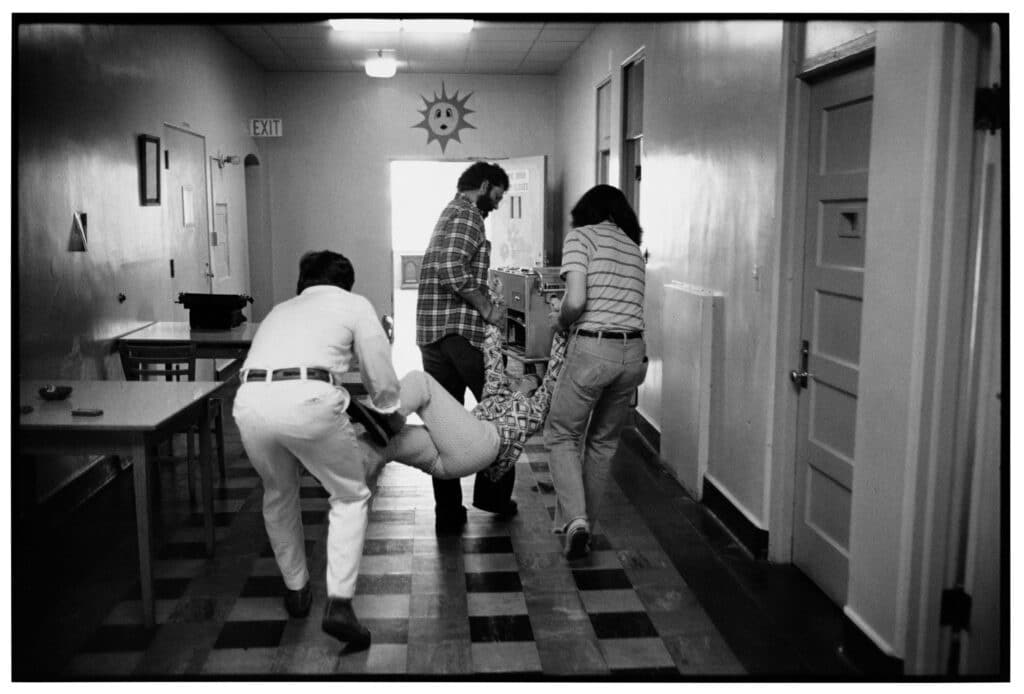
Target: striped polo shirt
<point>615,276</point>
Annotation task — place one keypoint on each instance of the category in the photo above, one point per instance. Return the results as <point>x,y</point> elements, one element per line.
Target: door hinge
<point>955,611</point>
<point>990,107</point>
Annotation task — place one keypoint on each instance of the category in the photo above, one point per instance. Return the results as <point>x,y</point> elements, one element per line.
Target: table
<point>233,343</point>
<point>136,415</point>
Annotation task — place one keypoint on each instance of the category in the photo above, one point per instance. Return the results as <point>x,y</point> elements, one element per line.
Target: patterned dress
<point>517,416</point>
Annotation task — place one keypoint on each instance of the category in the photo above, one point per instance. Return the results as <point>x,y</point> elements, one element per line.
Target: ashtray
<point>52,392</point>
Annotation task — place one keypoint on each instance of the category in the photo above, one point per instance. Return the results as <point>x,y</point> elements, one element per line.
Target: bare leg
<point>452,443</point>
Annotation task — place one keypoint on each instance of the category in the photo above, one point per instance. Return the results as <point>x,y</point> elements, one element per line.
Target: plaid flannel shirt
<point>517,416</point>
<point>456,258</point>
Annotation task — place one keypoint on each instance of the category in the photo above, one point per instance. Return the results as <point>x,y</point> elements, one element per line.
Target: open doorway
<point>419,191</point>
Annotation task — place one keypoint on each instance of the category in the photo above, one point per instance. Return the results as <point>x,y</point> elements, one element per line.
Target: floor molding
<point>754,539</point>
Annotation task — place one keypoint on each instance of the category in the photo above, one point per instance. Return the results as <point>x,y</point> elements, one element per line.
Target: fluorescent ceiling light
<point>419,26</point>
<point>381,65</point>
<point>438,26</point>
<point>367,25</point>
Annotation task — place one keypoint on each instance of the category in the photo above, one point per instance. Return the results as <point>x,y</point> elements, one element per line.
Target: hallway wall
<point>84,94</point>
<point>712,95</point>
<point>357,124</point>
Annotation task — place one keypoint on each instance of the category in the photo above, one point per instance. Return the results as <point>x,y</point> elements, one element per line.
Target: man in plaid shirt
<point>452,311</point>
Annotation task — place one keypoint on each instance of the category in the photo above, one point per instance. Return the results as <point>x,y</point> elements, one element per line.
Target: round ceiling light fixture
<point>381,65</point>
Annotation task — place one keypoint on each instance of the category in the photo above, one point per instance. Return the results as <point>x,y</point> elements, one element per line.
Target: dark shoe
<point>340,622</point>
<point>506,510</point>
<point>449,521</point>
<point>577,542</point>
<point>298,602</point>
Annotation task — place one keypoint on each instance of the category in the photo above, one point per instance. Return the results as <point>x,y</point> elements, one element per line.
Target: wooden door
<point>516,229</point>
<point>839,144</point>
<point>186,214</point>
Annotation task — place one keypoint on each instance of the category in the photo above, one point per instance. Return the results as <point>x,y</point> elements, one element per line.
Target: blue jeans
<point>595,386</point>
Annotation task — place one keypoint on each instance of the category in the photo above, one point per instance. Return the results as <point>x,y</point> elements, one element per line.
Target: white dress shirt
<point>323,327</point>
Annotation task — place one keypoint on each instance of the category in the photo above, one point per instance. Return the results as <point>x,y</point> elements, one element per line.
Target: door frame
<point>791,201</point>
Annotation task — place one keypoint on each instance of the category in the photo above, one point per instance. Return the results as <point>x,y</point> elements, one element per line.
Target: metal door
<point>839,129</point>
<point>186,215</point>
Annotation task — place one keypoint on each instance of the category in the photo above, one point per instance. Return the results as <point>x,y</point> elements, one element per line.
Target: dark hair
<point>481,171</point>
<point>607,203</point>
<point>325,267</point>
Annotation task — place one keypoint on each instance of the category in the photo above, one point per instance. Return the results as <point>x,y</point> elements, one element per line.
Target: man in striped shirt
<point>452,311</point>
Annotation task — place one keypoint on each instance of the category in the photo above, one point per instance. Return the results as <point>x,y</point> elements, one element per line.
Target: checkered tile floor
<point>499,599</point>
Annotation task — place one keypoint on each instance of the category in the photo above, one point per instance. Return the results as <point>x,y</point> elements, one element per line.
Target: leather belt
<point>618,335</point>
<point>293,374</point>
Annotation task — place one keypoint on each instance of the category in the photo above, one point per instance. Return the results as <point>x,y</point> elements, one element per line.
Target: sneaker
<point>298,602</point>
<point>577,541</point>
<point>340,621</point>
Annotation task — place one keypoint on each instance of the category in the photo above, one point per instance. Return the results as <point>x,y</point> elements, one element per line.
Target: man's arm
<point>574,301</point>
<point>495,379</point>
<point>461,244</point>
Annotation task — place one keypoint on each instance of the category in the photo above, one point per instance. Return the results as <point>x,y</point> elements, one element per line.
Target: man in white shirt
<point>290,411</point>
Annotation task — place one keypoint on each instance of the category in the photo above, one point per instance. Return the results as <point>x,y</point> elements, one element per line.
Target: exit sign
<point>265,127</point>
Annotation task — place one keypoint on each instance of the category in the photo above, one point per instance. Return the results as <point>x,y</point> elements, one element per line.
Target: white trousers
<point>288,424</point>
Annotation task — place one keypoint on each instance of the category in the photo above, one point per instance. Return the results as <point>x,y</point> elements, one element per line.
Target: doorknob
<point>799,377</point>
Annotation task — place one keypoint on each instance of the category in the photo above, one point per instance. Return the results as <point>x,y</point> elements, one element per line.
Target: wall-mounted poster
<point>444,117</point>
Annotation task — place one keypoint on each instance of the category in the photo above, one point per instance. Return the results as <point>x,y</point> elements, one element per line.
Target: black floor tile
<point>221,519</point>
<point>493,582</point>
<point>314,517</point>
<point>313,493</point>
<point>500,628</point>
<point>241,472</point>
<point>254,634</point>
<point>119,638</point>
<point>268,551</point>
<point>387,630</point>
<point>262,587</point>
<point>163,589</point>
<point>487,545</point>
<point>599,542</point>
<point>622,625</point>
<point>226,493</point>
<point>376,546</point>
<point>383,584</point>
<point>183,550</point>
<point>601,579</point>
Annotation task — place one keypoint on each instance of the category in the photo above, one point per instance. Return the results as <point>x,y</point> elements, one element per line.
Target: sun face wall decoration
<point>444,117</point>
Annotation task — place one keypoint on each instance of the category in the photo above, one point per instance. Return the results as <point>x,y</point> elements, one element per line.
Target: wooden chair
<point>174,362</point>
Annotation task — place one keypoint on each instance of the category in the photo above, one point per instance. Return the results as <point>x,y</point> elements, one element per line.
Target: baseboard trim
<point>861,651</point>
<point>753,538</point>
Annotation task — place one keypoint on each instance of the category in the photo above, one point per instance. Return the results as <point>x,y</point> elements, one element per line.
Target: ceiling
<point>507,48</point>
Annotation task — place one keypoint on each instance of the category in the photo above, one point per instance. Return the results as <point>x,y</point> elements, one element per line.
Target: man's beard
<point>484,204</point>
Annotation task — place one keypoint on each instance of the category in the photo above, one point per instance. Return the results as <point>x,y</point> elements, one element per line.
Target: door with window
<point>186,216</point>
<point>835,225</point>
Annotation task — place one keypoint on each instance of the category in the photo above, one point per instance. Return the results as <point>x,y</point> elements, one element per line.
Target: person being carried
<point>454,442</point>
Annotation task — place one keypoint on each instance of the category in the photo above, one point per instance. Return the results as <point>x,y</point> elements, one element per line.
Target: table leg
<point>206,473</point>
<point>140,473</point>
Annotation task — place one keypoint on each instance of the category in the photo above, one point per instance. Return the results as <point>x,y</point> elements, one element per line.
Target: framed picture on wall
<point>149,170</point>
<point>410,269</point>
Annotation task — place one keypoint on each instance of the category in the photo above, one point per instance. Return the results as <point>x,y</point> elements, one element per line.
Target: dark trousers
<point>457,365</point>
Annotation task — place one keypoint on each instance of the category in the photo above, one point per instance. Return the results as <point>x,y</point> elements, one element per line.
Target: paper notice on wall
<point>518,181</point>
<point>188,207</point>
